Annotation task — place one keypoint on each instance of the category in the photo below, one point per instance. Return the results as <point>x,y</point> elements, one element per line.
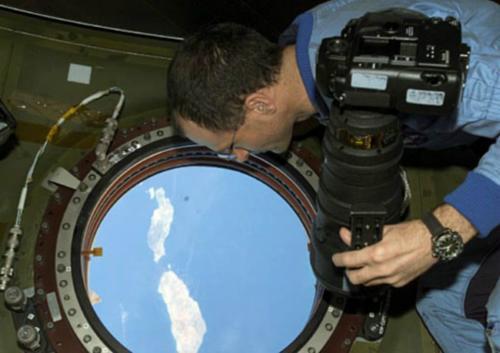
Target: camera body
<point>383,64</point>
<point>396,59</point>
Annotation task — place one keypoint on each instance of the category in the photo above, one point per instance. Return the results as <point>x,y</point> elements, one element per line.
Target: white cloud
<point>94,297</point>
<point>161,220</point>
<point>123,320</point>
<point>124,317</point>
<point>188,325</point>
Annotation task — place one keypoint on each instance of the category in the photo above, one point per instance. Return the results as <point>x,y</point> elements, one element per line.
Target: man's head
<point>221,91</point>
<point>214,71</point>
<point>232,90</point>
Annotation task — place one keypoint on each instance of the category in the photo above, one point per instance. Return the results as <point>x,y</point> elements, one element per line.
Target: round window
<point>202,259</point>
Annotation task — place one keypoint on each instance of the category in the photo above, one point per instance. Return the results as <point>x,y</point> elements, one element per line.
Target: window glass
<point>202,259</point>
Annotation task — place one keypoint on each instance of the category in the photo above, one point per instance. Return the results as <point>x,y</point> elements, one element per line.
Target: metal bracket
<point>60,176</point>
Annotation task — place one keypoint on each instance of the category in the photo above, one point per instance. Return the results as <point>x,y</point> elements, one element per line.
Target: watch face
<point>447,245</point>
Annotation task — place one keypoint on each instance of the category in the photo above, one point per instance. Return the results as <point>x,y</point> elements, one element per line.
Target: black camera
<point>384,63</point>
<point>396,59</point>
<point>7,124</point>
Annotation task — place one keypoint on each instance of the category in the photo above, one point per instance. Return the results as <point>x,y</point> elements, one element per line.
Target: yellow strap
<point>55,128</point>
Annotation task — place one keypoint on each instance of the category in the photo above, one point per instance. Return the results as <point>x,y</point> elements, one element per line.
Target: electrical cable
<point>6,271</point>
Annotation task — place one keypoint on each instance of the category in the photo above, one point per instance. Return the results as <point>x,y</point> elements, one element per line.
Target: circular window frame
<point>72,217</point>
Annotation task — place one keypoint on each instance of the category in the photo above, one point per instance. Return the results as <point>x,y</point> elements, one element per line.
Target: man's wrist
<point>451,218</point>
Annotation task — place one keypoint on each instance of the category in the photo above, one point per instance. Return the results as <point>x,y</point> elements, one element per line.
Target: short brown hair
<point>215,69</point>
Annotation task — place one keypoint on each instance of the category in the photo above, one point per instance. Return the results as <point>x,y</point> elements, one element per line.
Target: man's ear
<point>261,102</point>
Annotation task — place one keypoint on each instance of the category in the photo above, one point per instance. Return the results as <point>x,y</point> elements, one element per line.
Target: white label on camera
<point>369,80</point>
<point>424,97</point>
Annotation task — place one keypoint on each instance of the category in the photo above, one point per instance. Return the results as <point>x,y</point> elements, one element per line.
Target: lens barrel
<point>362,150</point>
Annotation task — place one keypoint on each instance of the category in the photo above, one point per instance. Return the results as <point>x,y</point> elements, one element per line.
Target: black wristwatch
<point>447,244</point>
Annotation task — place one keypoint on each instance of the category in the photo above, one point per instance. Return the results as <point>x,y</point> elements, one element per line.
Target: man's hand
<point>404,253</point>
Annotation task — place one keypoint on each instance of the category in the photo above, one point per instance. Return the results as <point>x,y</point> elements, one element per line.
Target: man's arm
<point>405,250</point>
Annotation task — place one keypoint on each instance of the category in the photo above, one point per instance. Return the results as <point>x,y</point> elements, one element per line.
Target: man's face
<point>259,133</point>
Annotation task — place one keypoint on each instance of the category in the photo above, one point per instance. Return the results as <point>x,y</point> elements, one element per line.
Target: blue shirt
<point>478,114</point>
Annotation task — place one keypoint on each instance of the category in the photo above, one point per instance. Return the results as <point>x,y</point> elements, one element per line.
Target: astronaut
<point>237,93</point>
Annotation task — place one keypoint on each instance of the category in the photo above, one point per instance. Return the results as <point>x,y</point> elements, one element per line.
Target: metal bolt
<point>66,226</point>
<point>61,268</point>
<point>72,312</point>
<point>40,292</point>
<point>76,200</point>
<point>50,325</point>
<point>159,133</point>
<point>67,297</point>
<point>97,350</point>
<point>15,298</point>
<point>92,177</point>
<point>87,338</point>
<point>61,254</point>
<point>63,283</point>
<point>336,313</point>
<point>83,187</point>
<point>347,342</point>
<point>329,327</point>
<point>311,350</point>
<point>28,337</point>
<point>38,258</point>
<point>45,226</point>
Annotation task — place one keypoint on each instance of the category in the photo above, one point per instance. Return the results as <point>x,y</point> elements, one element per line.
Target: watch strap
<point>433,224</point>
